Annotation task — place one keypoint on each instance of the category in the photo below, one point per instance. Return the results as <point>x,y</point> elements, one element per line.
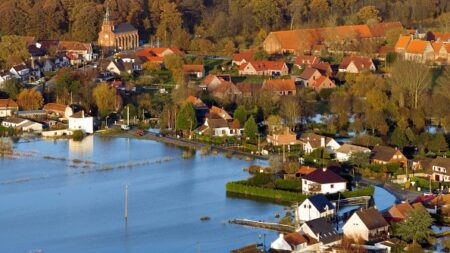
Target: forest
<point>209,24</point>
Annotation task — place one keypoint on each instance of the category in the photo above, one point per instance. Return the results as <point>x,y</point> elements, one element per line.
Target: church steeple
<point>108,24</point>
<point>107,15</point>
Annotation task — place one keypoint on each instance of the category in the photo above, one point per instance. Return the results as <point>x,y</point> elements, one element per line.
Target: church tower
<point>108,24</point>
<point>118,37</point>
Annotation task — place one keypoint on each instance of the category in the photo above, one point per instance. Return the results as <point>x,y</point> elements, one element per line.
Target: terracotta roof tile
<point>279,85</point>
<point>244,55</point>
<point>402,42</point>
<point>264,65</point>
<point>372,218</point>
<point>193,68</point>
<point>417,46</point>
<point>8,103</point>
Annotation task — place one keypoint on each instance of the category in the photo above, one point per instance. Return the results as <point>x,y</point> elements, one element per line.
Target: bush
<point>239,188</point>
<point>364,191</point>
<point>77,135</point>
<point>259,179</point>
<point>293,185</point>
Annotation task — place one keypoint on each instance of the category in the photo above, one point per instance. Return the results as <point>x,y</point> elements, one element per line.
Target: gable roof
<point>54,107</point>
<point>360,62</point>
<point>221,113</point>
<point>399,211</point>
<point>349,148</point>
<point>324,176</point>
<point>441,162</point>
<point>383,153</point>
<point>326,231</point>
<point>279,85</point>
<point>244,55</point>
<point>314,139</point>
<point>124,28</point>
<point>264,65</point>
<point>217,123</point>
<point>323,67</point>
<point>305,170</point>
<point>8,103</point>
<point>308,73</point>
<point>191,68</point>
<point>197,102</point>
<point>74,46</point>
<point>417,46</point>
<point>321,203</point>
<point>318,83</point>
<point>295,238</point>
<point>372,218</point>
<point>249,88</point>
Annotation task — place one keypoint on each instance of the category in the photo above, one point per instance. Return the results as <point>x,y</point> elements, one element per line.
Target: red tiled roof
<point>54,107</point>
<point>361,62</point>
<point>195,101</point>
<point>417,46</point>
<point>189,68</point>
<point>220,112</point>
<point>244,55</point>
<point>318,83</point>
<point>264,65</point>
<point>402,42</point>
<point>8,103</point>
<point>305,170</point>
<point>279,85</point>
<point>308,73</point>
<point>74,46</point>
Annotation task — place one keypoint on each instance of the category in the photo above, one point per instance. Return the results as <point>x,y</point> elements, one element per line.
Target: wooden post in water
<point>126,203</point>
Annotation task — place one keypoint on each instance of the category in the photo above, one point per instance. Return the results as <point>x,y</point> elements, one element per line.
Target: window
<point>332,186</point>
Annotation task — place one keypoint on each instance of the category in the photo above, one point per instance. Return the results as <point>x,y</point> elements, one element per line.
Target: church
<point>122,37</point>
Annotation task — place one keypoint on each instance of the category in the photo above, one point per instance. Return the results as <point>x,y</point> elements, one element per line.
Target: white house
<point>314,207</point>
<point>196,70</point>
<point>78,121</point>
<point>323,181</point>
<point>22,124</point>
<point>312,141</point>
<point>344,153</point>
<point>4,76</point>
<point>368,225</point>
<point>356,64</point>
<point>8,107</point>
<point>295,242</point>
<point>322,230</point>
<point>220,127</point>
<point>20,71</point>
<point>440,169</point>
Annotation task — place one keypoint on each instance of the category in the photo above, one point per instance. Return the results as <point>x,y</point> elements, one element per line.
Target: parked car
<point>125,127</point>
<point>140,133</point>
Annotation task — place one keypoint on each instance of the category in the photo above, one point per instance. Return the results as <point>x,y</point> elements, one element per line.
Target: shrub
<point>259,179</point>
<point>77,135</point>
<point>294,185</point>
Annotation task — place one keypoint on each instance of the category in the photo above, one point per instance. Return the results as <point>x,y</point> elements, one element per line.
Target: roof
<point>295,238</point>
<point>279,85</point>
<point>244,55</point>
<point>372,218</point>
<point>400,211</point>
<point>317,85</point>
<point>306,60</point>
<point>417,46</point>
<point>305,170</point>
<point>124,28</point>
<point>361,62</point>
<point>349,148</point>
<point>193,68</point>
<point>324,176</point>
<point>54,107</point>
<point>74,46</point>
<point>321,202</point>
<point>249,87</point>
<point>217,123</point>
<point>439,36</point>
<point>323,67</point>
<point>308,73</point>
<point>221,113</point>
<point>156,54</point>
<point>441,162</point>
<point>264,65</point>
<point>383,153</point>
<point>314,139</point>
<point>8,103</point>
<point>322,227</point>
<point>197,102</point>
<point>15,120</point>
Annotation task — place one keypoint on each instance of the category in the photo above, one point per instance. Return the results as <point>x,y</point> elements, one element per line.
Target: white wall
<point>85,124</point>
<point>355,228</point>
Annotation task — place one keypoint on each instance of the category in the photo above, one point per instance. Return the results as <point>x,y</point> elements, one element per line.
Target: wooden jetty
<point>265,225</point>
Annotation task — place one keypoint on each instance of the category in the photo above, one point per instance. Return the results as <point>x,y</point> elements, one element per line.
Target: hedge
<point>239,188</point>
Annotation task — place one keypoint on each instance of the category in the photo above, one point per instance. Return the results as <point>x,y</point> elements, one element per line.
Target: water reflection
<point>81,148</point>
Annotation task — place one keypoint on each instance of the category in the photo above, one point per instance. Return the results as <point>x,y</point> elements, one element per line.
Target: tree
<point>438,143</point>
<point>240,114</point>
<point>145,102</point>
<point>250,128</point>
<point>266,14</point>
<point>105,99</point>
<point>13,50</point>
<point>11,87</point>
<point>398,138</point>
<point>174,63</point>
<point>186,120</point>
<point>359,159</point>
<point>319,8</point>
<point>416,227</point>
<point>368,14</point>
<point>290,110</point>
<point>131,109</point>
<point>274,123</point>
<point>30,99</point>
<point>170,21</point>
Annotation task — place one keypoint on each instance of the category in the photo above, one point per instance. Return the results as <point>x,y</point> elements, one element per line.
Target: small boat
<point>205,218</point>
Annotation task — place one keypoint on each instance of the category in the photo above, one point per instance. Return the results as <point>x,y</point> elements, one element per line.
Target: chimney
<point>324,169</point>
<point>82,113</point>
<point>322,141</point>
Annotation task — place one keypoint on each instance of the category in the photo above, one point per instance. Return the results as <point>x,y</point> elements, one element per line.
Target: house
<point>79,121</point>
<point>220,127</point>
<point>312,141</point>
<point>281,87</point>
<point>440,169</point>
<point>419,51</point>
<point>368,225</point>
<point>8,107</point>
<point>220,112</point>
<point>344,153</point>
<point>303,40</point>
<point>315,207</point>
<point>402,43</point>
<point>285,138</point>
<point>194,70</point>
<point>126,65</point>
<point>385,155</point>
<point>309,76</point>
<point>196,102</point>
<point>55,110</point>
<point>398,212</point>
<point>303,61</point>
<point>324,68</point>
<point>24,125</point>
<point>157,54</point>
<point>356,64</point>
<point>21,71</point>
<point>323,181</point>
<point>249,90</point>
<point>323,83</point>
<point>264,68</point>
<point>441,52</point>
<point>421,163</point>
<point>243,57</point>
<point>4,76</point>
<point>212,81</point>
<point>295,242</point>
<point>225,90</point>
<point>76,51</point>
<point>322,230</point>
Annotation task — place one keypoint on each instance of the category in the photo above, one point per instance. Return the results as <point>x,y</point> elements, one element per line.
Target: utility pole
<point>284,155</point>
<point>126,203</point>
<point>128,115</point>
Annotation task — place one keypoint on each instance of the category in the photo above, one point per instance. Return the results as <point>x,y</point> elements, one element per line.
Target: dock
<point>264,225</point>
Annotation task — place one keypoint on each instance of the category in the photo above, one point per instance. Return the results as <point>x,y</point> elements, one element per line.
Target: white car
<point>125,127</point>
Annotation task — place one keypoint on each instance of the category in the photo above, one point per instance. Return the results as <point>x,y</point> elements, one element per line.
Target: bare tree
<point>290,110</point>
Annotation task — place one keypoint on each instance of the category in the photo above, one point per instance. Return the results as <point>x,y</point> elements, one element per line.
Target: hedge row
<point>240,188</point>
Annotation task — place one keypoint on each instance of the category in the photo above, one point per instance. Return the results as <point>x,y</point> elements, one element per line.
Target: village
<point>334,110</point>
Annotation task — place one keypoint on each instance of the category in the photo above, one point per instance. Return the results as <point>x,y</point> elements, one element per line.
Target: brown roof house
<point>281,87</point>
<point>283,138</point>
<point>295,242</point>
<point>264,68</point>
<point>55,110</point>
<point>312,141</point>
<point>385,155</point>
<point>399,212</point>
<point>225,90</point>
<point>356,64</point>
<point>219,123</point>
<point>368,225</point>
<point>194,70</point>
<point>243,57</point>
<point>249,89</point>
<point>344,153</point>
<point>421,163</point>
<point>323,181</point>
<point>8,107</point>
<point>440,169</point>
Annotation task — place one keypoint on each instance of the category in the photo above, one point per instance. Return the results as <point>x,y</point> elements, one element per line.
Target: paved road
<point>400,194</point>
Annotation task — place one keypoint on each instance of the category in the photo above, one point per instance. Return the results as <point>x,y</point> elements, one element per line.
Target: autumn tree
<point>368,14</point>
<point>416,228</point>
<point>11,87</point>
<point>145,102</point>
<point>319,9</point>
<point>30,99</point>
<point>266,13</point>
<point>170,21</point>
<point>290,110</point>
<point>105,99</point>
<point>13,50</point>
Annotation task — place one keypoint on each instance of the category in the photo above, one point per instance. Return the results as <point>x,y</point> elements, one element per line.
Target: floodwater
<point>76,203</point>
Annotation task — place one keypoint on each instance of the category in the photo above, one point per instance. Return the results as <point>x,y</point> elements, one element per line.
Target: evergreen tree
<point>186,120</point>
<point>241,114</point>
<point>250,128</point>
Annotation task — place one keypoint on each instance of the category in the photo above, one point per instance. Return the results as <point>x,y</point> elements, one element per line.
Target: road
<point>400,194</point>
